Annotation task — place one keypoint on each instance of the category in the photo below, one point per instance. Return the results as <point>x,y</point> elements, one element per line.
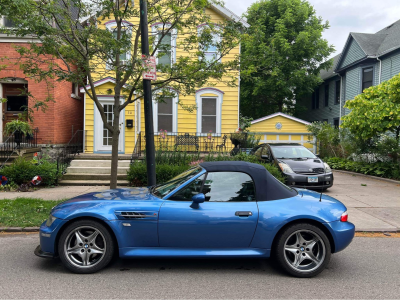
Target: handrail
<point>137,150</point>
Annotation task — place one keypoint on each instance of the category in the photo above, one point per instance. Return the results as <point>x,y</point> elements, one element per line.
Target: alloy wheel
<point>304,251</point>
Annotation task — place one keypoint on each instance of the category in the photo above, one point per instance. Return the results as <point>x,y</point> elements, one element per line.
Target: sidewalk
<point>374,207</point>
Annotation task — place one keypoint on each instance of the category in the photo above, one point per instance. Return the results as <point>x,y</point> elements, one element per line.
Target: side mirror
<point>196,199</point>
<point>265,157</point>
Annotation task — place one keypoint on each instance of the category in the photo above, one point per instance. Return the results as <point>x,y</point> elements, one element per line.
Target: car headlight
<point>285,168</point>
<point>327,168</point>
<point>50,220</point>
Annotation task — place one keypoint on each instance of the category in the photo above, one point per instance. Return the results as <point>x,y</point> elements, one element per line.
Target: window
<point>164,50</point>
<point>228,186</point>
<point>367,78</point>
<point>8,23</point>
<point>123,56</point>
<point>209,115</point>
<point>165,115</point>
<point>315,99</point>
<point>126,32</point>
<point>326,95</point>
<point>17,103</point>
<point>75,91</point>
<point>337,92</point>
<point>186,193</point>
<point>210,50</point>
<point>336,122</point>
<point>209,110</point>
<point>263,150</point>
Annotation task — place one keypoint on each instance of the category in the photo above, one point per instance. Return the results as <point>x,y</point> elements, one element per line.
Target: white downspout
<point>380,70</point>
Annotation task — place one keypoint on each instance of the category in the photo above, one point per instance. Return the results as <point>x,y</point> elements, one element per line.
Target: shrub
<point>380,169</point>
<point>22,171</point>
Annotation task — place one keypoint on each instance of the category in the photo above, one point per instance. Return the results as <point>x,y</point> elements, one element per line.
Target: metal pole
<point>148,107</point>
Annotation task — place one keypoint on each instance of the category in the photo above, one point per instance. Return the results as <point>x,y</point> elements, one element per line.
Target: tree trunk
<point>114,149</point>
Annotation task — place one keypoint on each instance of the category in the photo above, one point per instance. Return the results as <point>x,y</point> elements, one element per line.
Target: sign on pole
<point>149,65</point>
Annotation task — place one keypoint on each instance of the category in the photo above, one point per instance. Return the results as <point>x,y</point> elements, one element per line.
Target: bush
<point>169,165</point>
<point>22,171</point>
<point>380,169</point>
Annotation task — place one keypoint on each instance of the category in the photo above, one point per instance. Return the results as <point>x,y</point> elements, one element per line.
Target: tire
<point>302,256</point>
<point>91,247</point>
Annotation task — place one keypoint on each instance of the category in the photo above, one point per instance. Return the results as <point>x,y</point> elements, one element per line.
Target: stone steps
<point>80,163</point>
<point>91,182</point>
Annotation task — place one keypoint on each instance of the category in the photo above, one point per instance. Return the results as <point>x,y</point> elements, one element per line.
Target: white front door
<point>103,137</point>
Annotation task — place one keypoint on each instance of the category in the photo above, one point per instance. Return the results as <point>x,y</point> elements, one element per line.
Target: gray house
<point>367,59</point>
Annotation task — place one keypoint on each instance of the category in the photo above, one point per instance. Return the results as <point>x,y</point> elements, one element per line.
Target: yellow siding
<point>288,125</point>
<point>187,122</point>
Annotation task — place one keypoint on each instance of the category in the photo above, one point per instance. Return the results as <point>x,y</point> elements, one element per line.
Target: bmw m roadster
<point>214,210</point>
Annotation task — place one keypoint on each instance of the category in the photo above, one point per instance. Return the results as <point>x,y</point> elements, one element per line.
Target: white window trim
<point>218,38</point>
<point>174,116</point>
<point>155,29</point>
<point>110,26</point>
<point>219,95</point>
<point>75,94</point>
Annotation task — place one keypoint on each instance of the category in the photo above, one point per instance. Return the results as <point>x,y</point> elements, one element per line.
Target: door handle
<point>243,213</point>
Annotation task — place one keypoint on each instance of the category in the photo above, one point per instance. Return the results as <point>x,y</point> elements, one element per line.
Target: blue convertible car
<point>217,209</point>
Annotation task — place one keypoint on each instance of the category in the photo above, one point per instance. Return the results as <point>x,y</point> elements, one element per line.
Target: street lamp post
<point>148,107</point>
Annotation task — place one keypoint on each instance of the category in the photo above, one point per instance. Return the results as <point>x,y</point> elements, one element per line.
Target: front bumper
<point>38,252</point>
<point>48,237</point>
<point>299,180</point>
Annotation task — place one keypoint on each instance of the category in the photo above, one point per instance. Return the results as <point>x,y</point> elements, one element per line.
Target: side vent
<point>135,215</point>
<point>132,215</point>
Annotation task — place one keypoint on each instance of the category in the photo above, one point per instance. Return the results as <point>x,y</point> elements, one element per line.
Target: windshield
<point>163,189</point>
<point>292,152</point>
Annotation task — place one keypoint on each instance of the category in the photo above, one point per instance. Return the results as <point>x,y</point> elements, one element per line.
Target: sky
<point>344,16</point>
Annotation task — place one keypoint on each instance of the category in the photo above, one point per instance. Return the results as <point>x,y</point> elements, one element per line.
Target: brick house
<point>61,118</point>
<point>366,60</point>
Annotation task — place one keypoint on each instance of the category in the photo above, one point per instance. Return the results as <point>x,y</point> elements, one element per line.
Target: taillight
<point>344,217</point>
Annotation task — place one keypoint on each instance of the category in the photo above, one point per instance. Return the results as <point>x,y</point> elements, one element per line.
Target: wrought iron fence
<point>68,152</point>
<point>197,142</point>
<point>17,141</point>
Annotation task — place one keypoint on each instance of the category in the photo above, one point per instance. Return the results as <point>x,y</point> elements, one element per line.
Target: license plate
<point>312,179</point>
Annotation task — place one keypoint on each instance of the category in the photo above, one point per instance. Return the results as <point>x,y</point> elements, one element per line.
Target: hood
<point>305,165</point>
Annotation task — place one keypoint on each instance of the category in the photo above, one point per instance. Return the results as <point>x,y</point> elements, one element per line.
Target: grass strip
<point>25,212</point>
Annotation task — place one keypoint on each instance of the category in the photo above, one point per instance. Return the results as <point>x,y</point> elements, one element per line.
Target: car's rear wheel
<point>86,246</point>
<point>302,250</point>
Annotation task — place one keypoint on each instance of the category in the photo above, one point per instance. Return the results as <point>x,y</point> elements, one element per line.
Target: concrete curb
<point>36,229</point>
<point>368,176</point>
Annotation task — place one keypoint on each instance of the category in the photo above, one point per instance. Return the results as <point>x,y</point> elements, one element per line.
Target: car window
<point>264,150</point>
<point>228,186</point>
<point>292,152</point>
<point>187,192</point>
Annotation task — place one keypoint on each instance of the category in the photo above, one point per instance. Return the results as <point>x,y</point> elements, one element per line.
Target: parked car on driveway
<point>214,210</point>
<point>301,167</point>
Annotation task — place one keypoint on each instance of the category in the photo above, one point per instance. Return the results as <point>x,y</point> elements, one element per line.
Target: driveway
<point>368,269</point>
<point>373,205</point>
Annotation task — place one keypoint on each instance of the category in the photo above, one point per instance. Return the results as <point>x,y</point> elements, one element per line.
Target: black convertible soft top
<point>267,186</point>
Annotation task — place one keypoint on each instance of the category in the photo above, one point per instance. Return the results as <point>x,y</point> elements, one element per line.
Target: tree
<point>74,46</point>
<point>375,111</point>
<point>282,55</point>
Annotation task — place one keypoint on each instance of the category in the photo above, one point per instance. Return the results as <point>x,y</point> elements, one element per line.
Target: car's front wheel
<point>86,246</point>
<point>302,250</point>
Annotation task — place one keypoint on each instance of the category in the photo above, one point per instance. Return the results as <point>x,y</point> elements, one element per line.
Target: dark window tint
<point>367,78</point>
<point>317,98</point>
<point>228,186</point>
<point>9,23</point>
<point>16,103</point>
<point>326,95</point>
<point>337,92</point>
<point>264,150</point>
<point>336,122</point>
<point>187,192</point>
<point>165,113</point>
<point>209,115</point>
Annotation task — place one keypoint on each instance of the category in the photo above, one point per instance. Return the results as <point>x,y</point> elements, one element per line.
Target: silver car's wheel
<point>86,246</point>
<point>304,250</point>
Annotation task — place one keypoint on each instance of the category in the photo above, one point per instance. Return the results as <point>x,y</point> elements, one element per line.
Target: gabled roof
<point>227,13</point>
<point>326,74</point>
<point>373,44</point>
<point>281,115</point>
<point>101,82</point>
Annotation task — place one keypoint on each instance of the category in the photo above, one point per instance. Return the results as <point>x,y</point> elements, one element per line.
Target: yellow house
<point>282,128</point>
<point>217,112</point>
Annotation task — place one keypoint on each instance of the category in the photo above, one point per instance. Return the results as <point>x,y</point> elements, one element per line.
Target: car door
<point>227,219</point>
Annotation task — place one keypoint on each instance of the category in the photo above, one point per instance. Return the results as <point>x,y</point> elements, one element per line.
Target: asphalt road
<point>369,268</point>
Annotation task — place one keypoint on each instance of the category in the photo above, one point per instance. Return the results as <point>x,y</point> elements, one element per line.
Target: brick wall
<point>55,124</point>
